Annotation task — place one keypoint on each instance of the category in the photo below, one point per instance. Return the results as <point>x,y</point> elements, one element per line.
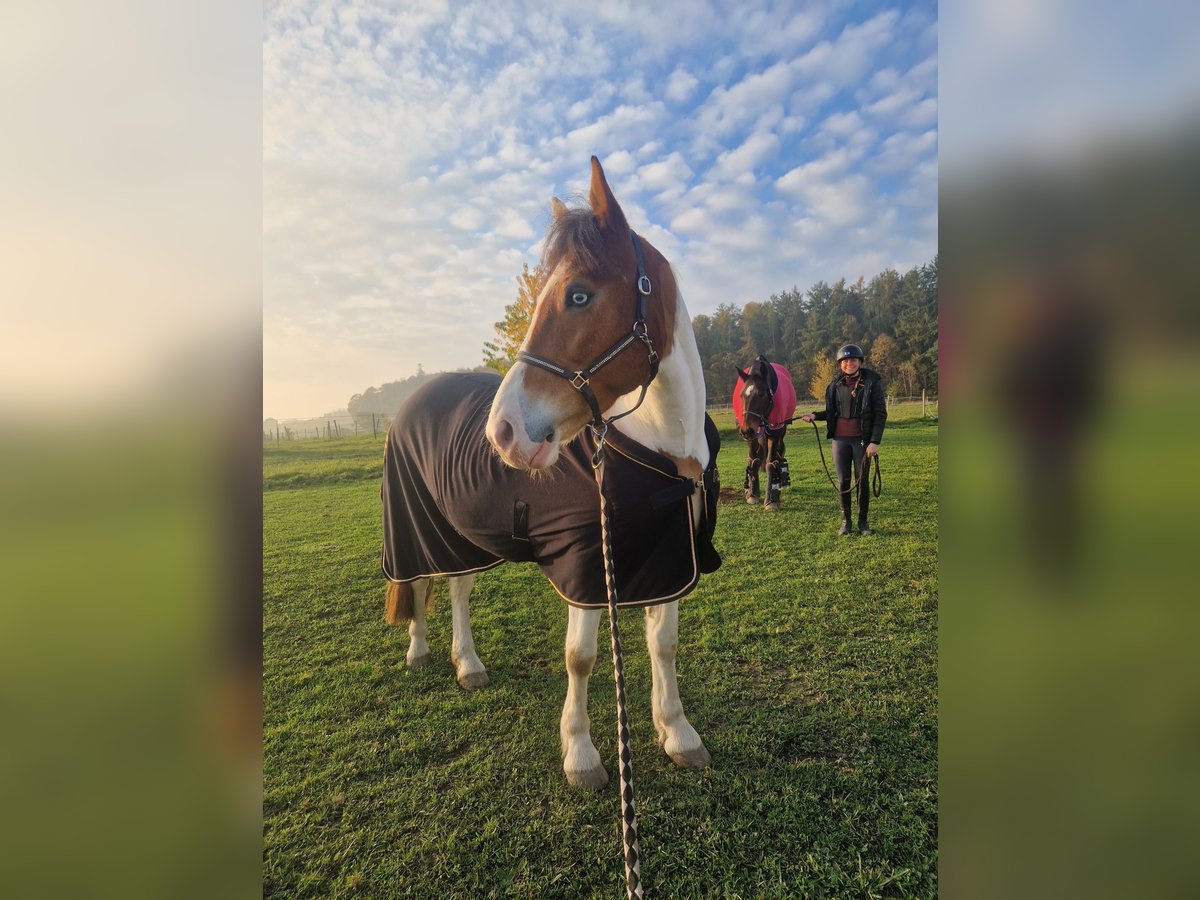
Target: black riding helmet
<point>850,351</point>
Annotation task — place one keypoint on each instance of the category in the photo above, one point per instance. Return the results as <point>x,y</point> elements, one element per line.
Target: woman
<point>856,412</point>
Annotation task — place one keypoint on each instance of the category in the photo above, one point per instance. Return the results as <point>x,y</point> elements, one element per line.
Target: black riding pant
<point>849,452</point>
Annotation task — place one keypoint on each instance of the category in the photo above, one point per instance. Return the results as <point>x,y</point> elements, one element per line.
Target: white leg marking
<point>418,642</point>
<point>581,760</point>
<point>469,670</point>
<point>676,735</point>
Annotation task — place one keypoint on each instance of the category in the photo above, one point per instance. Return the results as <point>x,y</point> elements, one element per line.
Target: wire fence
<point>376,424</point>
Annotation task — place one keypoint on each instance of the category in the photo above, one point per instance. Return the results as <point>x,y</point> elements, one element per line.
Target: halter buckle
<point>643,285</point>
<point>579,382</point>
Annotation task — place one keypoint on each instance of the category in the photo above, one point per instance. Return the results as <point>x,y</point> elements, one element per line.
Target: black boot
<point>785,480</point>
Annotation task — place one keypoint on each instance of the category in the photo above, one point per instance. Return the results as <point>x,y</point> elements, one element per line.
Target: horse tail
<point>398,607</point>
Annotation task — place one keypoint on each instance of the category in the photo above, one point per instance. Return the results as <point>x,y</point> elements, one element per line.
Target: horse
<point>764,401</point>
<point>527,446</point>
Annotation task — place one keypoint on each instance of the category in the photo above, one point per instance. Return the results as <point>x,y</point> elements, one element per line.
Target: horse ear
<point>557,208</point>
<point>604,205</point>
<point>745,376</point>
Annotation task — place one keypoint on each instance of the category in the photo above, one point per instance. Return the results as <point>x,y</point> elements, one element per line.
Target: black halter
<point>581,379</point>
<point>764,423</point>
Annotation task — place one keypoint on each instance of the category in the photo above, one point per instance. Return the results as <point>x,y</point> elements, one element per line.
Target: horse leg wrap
<point>751,483</point>
<point>772,501</point>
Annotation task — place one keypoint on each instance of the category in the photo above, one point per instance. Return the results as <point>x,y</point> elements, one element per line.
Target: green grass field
<point>808,663</point>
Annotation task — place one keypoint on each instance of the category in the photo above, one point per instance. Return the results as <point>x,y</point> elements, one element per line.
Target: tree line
<point>893,317</point>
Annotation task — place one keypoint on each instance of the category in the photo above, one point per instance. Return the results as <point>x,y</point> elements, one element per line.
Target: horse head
<point>759,383</point>
<point>573,364</point>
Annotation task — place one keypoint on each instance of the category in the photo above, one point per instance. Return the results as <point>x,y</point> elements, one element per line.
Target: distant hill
<point>387,398</point>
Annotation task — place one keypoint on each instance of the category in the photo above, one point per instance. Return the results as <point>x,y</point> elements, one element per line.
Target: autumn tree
<point>501,353</point>
<point>884,357</point>
<point>825,369</point>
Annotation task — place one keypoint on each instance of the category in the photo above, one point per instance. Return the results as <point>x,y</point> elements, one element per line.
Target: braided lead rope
<point>629,826</point>
<point>876,481</point>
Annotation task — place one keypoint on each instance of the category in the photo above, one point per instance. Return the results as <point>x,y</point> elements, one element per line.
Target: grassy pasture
<point>807,663</point>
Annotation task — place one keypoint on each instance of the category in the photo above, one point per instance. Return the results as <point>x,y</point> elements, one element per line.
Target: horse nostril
<point>504,434</point>
<point>549,437</point>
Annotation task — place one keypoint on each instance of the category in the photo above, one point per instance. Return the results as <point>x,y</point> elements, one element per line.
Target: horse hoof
<point>692,759</point>
<point>773,506</point>
<point>419,662</point>
<point>591,780</point>
<point>752,499</point>
<point>473,680</point>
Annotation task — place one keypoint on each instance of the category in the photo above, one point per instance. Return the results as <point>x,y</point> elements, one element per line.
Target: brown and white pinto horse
<point>593,270</point>
<point>764,401</point>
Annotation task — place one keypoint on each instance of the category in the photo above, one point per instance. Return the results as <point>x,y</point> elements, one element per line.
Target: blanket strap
<point>629,826</point>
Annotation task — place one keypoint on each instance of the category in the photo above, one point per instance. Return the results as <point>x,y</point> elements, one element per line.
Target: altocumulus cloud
<point>410,154</point>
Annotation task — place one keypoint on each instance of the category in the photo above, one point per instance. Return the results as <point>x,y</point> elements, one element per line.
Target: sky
<point>410,151</point>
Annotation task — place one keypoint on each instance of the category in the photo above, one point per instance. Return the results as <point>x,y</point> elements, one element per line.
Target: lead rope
<point>876,481</point>
<point>629,827</point>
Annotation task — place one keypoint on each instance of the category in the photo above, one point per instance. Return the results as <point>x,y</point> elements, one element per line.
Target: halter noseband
<point>581,379</point>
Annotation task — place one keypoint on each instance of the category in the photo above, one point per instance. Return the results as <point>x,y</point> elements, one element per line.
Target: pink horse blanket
<point>783,406</point>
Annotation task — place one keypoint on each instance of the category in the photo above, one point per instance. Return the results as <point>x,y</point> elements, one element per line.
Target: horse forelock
<point>574,238</point>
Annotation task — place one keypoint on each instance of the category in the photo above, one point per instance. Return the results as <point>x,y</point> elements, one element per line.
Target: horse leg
<point>753,463</point>
<point>675,733</point>
<point>581,759</point>
<point>469,670</point>
<point>418,635</point>
<point>772,455</point>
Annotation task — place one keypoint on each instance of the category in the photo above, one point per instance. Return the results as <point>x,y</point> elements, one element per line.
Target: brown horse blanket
<point>451,506</point>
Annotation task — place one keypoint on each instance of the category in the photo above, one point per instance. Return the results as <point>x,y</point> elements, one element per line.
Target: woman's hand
<point>872,449</point>
<point>808,417</point>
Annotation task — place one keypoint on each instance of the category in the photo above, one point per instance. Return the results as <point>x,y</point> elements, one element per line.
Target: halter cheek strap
<point>580,379</point>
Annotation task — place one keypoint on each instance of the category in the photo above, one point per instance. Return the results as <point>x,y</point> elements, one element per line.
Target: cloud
<point>468,218</point>
<point>409,156</point>
<point>843,124</point>
<point>902,150</point>
<point>743,159</point>
<point>619,163</point>
<point>680,85</point>
<point>727,108</point>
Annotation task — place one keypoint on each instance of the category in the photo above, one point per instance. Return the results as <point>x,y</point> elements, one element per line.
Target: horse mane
<point>574,234</point>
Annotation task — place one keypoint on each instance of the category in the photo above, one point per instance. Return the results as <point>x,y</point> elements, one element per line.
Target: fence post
<point>374,433</point>
<point>922,403</point>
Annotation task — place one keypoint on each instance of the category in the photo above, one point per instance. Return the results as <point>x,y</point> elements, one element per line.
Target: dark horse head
<point>759,384</point>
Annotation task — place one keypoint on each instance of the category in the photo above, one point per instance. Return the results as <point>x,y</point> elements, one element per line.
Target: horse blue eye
<point>579,298</point>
